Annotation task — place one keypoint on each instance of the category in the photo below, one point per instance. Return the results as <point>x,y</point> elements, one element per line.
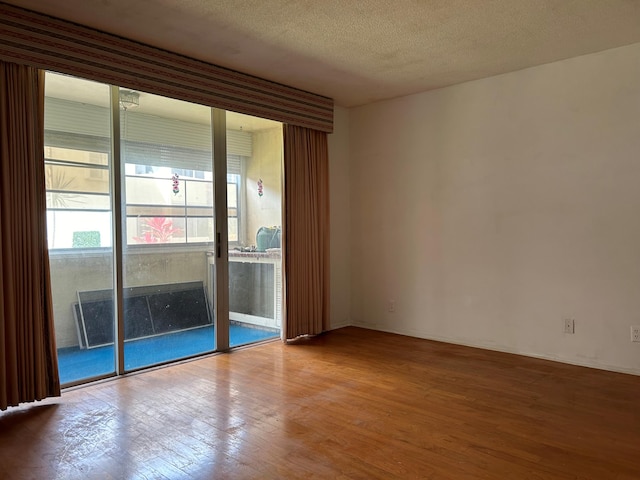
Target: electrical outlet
<point>569,325</point>
<point>391,306</point>
<point>635,333</point>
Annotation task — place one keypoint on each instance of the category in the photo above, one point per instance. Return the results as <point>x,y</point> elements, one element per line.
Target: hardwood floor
<point>350,404</point>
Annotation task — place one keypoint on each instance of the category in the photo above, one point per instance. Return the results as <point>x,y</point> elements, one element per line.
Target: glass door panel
<point>166,159</point>
<point>79,224</point>
<point>163,182</point>
<point>254,216</point>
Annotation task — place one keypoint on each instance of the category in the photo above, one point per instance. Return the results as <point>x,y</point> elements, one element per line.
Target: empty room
<point>291,239</point>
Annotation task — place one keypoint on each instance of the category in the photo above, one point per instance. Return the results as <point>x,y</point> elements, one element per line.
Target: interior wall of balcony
<point>82,271</point>
<point>266,165</point>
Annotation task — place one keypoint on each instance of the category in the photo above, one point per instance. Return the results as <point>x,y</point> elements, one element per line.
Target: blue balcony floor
<point>78,364</point>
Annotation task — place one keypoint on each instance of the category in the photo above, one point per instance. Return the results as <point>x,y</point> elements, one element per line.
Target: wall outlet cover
<point>391,306</point>
<point>569,325</point>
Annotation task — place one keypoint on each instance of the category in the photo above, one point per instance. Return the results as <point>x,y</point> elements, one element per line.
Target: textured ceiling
<point>362,51</point>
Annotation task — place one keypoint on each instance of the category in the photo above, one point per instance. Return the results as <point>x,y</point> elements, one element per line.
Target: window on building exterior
<point>166,163</point>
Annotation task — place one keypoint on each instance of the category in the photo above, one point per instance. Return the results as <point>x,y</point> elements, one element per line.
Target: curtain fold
<point>28,360</point>
<point>306,232</point>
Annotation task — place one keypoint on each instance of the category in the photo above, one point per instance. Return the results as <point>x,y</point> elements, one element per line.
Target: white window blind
<point>146,139</point>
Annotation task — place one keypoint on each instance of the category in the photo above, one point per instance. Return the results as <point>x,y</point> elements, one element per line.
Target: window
<point>168,180</point>
<point>165,206</point>
<point>168,185</point>
<point>235,192</point>
<point>77,167</point>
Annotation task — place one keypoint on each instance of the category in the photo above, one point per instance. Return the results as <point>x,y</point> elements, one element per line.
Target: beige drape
<point>28,361</point>
<point>306,231</point>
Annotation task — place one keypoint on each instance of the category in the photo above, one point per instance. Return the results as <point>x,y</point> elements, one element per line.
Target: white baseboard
<point>503,349</point>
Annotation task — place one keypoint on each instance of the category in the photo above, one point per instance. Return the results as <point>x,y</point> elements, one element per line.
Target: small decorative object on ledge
<point>267,238</point>
<point>176,184</point>
<point>260,189</point>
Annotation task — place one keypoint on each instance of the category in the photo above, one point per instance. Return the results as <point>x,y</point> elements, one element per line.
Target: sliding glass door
<point>78,166</point>
<point>140,274</point>
<point>254,216</point>
<point>167,202</point>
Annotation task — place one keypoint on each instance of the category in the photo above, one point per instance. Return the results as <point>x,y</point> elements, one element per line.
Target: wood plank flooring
<point>350,404</point>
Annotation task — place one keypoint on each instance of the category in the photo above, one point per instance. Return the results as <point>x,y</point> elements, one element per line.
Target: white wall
<point>491,210</point>
<point>340,221</point>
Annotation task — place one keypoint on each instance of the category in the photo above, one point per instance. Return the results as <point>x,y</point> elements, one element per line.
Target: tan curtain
<point>28,361</point>
<point>306,231</point>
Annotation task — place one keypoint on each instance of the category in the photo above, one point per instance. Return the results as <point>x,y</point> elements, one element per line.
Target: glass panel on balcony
<point>168,204</point>
<point>78,168</point>
<point>254,192</point>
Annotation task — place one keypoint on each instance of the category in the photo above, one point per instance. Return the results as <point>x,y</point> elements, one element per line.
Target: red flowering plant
<point>158,230</point>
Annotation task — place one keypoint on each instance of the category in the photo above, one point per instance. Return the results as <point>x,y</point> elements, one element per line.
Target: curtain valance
<point>34,39</point>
